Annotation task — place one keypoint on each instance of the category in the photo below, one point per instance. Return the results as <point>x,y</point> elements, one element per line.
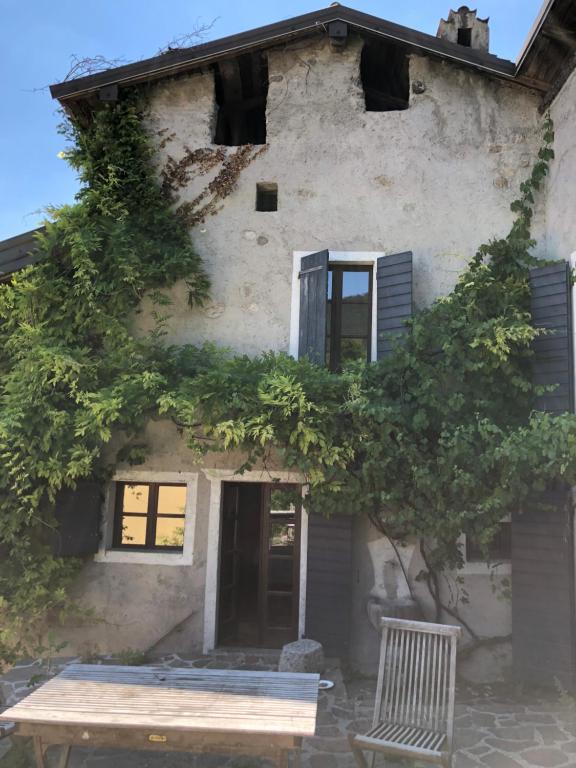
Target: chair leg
<point>296,753</point>
<point>358,754</point>
<point>65,756</point>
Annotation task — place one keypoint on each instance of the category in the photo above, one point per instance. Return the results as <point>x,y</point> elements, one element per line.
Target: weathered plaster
<point>436,179</point>
<point>561,196</point>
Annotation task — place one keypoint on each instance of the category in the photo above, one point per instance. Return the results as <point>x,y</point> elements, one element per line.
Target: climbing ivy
<point>73,369</point>
<point>436,440</point>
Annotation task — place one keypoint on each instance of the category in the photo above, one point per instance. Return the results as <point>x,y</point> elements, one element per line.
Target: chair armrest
<point>6,729</point>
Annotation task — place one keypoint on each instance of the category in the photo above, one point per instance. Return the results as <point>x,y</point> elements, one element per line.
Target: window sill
<point>481,568</point>
<point>143,558</point>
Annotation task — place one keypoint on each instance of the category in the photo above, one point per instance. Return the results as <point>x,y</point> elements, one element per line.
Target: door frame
<point>216,477</point>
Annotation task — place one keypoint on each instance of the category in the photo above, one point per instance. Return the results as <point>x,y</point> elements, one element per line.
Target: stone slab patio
<point>496,727</point>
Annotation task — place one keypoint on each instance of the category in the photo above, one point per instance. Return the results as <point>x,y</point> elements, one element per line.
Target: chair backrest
<point>417,675</point>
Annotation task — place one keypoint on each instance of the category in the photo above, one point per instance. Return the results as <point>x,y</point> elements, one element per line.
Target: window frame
<point>473,553</point>
<point>151,516</point>
<point>333,347</point>
<point>351,258</point>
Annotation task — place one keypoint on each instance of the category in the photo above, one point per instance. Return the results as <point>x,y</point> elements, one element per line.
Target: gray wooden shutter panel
<point>551,306</point>
<point>394,299</point>
<point>313,297</point>
<point>543,590</point>
<point>329,582</point>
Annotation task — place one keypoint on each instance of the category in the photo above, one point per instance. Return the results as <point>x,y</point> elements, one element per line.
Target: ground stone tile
<point>480,750</point>
<point>480,719</point>
<point>463,761</point>
<point>323,761</point>
<point>466,737</point>
<point>545,756</point>
<point>538,718</point>
<point>551,734</point>
<point>508,745</point>
<point>500,760</point>
<point>330,745</point>
<point>516,732</point>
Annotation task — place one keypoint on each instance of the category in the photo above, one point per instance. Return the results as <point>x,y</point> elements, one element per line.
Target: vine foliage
<point>72,368</point>
<point>437,439</point>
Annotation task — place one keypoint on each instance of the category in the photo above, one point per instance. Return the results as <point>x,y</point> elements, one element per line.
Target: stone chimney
<point>464,28</point>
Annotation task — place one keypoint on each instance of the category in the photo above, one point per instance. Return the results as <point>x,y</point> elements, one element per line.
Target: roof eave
<point>174,62</point>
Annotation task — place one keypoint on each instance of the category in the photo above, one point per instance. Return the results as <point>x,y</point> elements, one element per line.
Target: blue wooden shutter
<point>543,598</point>
<point>394,297</point>
<point>313,297</point>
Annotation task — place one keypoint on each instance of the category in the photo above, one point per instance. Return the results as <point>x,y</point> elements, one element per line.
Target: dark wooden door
<point>259,574</point>
<point>229,555</point>
<point>279,565</point>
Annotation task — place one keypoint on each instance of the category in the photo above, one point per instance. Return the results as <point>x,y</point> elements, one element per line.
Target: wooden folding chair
<point>414,707</point>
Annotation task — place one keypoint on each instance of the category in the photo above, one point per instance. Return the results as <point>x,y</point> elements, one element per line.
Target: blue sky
<point>38,37</point>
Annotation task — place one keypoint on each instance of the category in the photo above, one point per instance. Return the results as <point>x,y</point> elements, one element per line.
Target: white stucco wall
<point>436,179</point>
<point>561,192</point>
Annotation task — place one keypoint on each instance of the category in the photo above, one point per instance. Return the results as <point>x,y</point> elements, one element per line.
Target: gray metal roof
<point>18,252</point>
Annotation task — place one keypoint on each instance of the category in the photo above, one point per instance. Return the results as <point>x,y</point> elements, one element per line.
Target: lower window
<point>499,549</point>
<point>149,516</point>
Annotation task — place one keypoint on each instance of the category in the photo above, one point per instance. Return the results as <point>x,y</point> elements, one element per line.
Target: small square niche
<point>266,196</point>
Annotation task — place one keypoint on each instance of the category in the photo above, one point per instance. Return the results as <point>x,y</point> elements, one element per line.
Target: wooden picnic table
<point>264,714</point>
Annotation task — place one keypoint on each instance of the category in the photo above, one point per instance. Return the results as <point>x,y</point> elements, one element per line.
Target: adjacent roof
<point>185,59</point>
<point>18,252</point>
<point>550,50</point>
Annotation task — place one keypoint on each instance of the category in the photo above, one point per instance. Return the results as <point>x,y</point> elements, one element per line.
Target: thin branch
<point>187,39</point>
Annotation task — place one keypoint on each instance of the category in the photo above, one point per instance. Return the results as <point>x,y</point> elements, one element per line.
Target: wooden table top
<point>203,700</point>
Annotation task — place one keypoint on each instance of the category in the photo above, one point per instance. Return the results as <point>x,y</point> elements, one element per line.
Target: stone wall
<point>436,179</point>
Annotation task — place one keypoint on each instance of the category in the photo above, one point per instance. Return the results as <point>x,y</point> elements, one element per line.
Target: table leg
<point>39,752</point>
<point>296,754</point>
<point>64,756</point>
<point>283,759</point>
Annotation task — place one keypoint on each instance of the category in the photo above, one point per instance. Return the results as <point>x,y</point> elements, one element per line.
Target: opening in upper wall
<point>241,86</point>
<point>384,75</point>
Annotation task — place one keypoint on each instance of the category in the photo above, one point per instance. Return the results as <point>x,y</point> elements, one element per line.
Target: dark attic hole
<point>266,196</point>
<point>241,86</point>
<point>384,75</point>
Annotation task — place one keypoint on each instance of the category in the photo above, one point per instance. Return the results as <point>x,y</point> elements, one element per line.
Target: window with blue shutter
<point>339,305</point>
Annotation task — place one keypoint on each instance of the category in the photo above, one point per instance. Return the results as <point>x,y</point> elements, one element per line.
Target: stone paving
<point>495,728</point>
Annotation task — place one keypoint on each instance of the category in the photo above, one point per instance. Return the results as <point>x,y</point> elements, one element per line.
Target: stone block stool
<point>302,656</point>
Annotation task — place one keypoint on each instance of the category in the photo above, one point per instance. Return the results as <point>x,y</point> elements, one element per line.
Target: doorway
<point>259,564</point>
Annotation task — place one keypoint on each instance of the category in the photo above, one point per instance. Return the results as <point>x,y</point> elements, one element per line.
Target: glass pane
<point>171,499</point>
<point>329,284</point>
<point>136,498</point>
<point>282,534</point>
<point>356,285</point>
<point>169,532</point>
<point>355,319</point>
<point>280,574</point>
<point>279,611</point>
<point>134,531</point>
<point>353,349</point>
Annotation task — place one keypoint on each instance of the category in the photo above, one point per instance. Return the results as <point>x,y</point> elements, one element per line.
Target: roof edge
<point>173,62</point>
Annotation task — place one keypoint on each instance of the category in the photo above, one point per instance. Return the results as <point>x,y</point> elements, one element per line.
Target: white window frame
<point>106,553</point>
<point>481,567</point>
<point>216,477</point>
<point>356,258</point>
